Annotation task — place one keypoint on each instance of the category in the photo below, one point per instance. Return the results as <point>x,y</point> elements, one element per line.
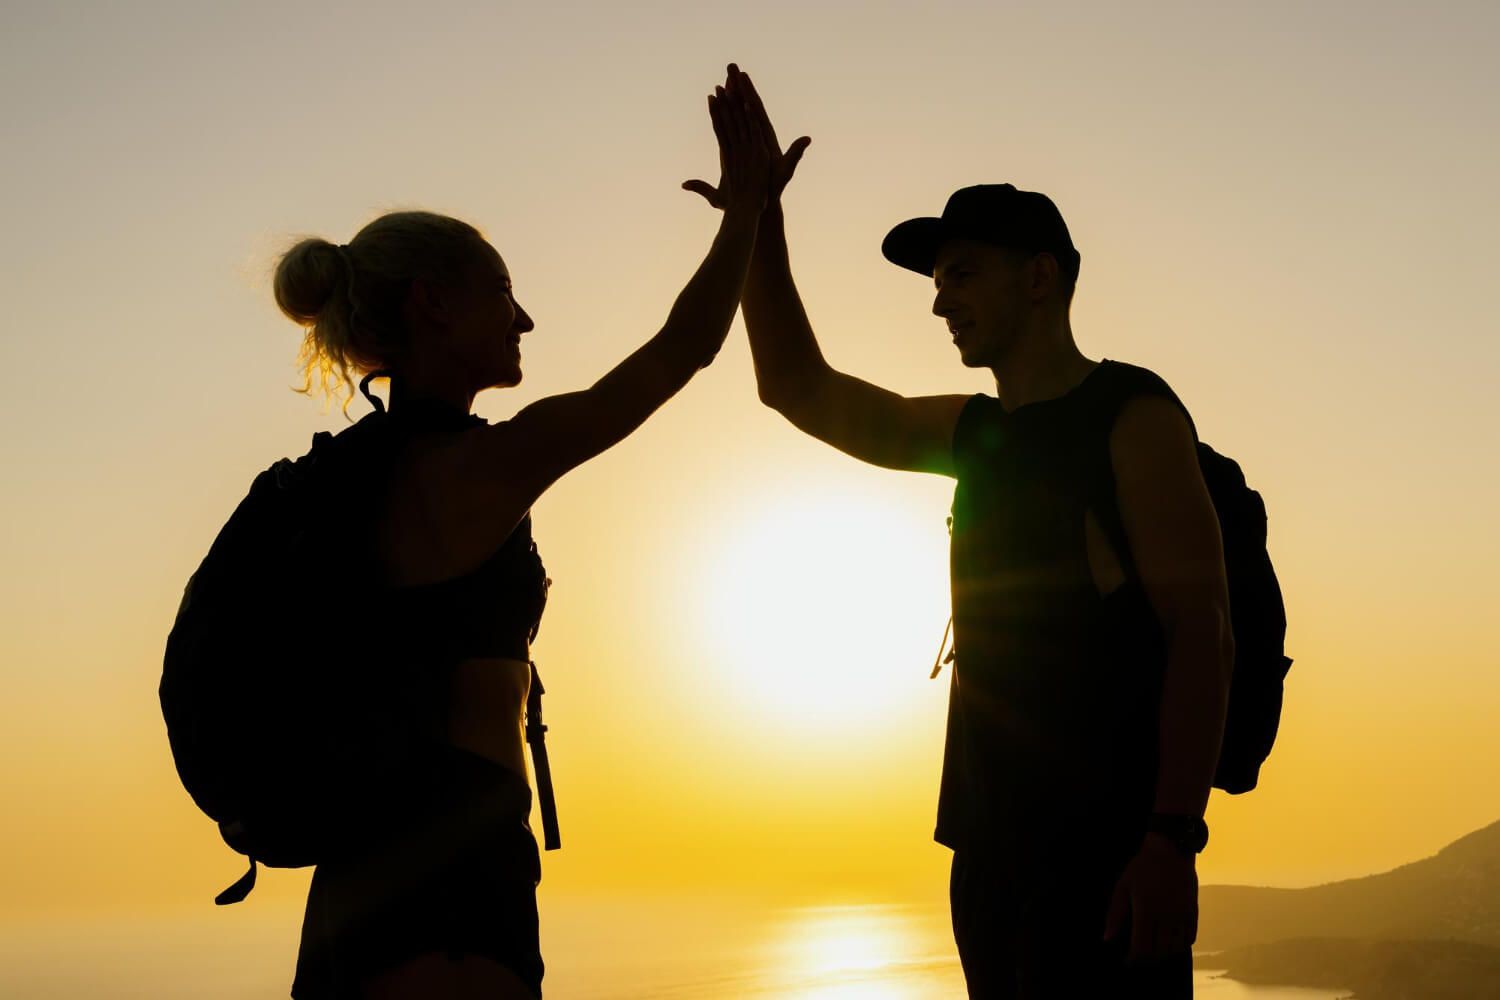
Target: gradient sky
<point>1288,210</point>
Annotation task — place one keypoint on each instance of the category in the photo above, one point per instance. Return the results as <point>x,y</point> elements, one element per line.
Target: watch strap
<point>1188,834</point>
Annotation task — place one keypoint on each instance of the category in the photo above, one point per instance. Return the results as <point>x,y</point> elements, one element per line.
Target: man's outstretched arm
<point>872,424</point>
<point>860,419</point>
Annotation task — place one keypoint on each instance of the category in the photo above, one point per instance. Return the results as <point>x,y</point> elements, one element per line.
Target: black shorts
<point>1039,936</point>
<point>453,868</point>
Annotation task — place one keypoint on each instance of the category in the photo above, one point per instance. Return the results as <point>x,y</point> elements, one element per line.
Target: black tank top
<point>1051,742</point>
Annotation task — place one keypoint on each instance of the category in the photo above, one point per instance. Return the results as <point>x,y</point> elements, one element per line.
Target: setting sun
<point>825,610</point>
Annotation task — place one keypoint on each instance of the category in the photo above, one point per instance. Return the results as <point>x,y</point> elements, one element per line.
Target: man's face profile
<point>982,297</point>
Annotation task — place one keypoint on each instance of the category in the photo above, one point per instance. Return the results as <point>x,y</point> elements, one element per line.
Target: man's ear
<point>1044,275</point>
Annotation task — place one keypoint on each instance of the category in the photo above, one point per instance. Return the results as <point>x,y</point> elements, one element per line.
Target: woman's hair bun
<point>310,276</point>
<point>349,299</point>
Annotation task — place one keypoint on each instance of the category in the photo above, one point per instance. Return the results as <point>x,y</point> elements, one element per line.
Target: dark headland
<point>1429,930</point>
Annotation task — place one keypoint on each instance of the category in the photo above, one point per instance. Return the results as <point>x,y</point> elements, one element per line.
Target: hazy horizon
<point>601,948</point>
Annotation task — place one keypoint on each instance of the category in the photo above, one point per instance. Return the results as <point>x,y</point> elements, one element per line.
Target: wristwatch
<point>1189,834</point>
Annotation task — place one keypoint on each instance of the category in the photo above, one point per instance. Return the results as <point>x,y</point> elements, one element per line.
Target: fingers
<point>1159,936</point>
<point>755,131</point>
<point>716,114</point>
<point>742,82</point>
<point>745,85</point>
<point>1177,932</point>
<point>746,155</point>
<point>757,124</point>
<point>730,127</point>
<point>732,107</point>
<point>1119,912</point>
<point>1156,937</point>
<point>1142,934</point>
<point>1163,942</point>
<point>782,166</point>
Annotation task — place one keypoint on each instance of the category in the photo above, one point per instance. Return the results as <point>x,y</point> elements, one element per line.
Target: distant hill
<point>1374,970</point>
<point>1451,896</point>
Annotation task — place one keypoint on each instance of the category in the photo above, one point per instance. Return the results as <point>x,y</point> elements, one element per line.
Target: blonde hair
<point>348,298</point>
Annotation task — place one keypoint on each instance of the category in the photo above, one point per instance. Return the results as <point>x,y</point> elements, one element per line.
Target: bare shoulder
<point>1165,506</point>
<point>493,466</point>
<point>1151,429</point>
<point>450,505</point>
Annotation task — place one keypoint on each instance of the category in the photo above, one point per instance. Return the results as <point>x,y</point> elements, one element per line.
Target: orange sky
<point>1290,215</point>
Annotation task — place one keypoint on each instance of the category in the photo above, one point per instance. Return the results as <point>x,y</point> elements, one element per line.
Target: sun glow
<point>827,610</point>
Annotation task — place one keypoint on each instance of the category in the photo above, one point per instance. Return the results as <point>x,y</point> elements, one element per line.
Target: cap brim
<point>914,244</point>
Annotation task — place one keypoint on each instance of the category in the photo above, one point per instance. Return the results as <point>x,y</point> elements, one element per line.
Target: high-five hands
<point>744,162</point>
<point>738,95</point>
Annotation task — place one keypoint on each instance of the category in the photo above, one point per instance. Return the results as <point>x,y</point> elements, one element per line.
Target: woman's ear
<point>426,305</point>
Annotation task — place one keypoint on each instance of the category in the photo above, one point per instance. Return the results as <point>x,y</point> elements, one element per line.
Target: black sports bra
<point>491,611</point>
<point>495,610</point>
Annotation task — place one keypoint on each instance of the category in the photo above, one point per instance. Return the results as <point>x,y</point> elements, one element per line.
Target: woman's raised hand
<point>737,111</point>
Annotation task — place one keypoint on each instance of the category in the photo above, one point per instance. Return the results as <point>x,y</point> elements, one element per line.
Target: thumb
<point>708,191</point>
<point>794,153</point>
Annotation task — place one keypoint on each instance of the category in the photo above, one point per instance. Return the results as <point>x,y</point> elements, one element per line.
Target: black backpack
<point>1258,620</point>
<point>276,729</point>
<point>261,728</point>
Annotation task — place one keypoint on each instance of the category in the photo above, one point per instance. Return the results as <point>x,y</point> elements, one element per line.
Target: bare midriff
<point>486,709</point>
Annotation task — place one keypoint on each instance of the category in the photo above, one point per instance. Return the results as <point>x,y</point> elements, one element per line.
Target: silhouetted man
<point>1090,609</point>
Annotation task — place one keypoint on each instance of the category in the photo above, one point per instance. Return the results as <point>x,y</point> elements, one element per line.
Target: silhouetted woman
<point>442,901</point>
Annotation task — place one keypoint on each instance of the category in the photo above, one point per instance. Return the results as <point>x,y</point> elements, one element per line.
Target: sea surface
<point>682,948</point>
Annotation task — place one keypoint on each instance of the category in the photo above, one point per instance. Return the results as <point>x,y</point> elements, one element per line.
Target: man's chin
<point>507,380</point>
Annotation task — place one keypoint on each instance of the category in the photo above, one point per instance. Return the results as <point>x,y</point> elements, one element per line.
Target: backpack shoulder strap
<point>1099,406</point>
<point>536,736</point>
<point>1117,383</point>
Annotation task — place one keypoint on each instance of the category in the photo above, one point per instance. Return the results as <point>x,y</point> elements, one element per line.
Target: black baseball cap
<point>997,214</point>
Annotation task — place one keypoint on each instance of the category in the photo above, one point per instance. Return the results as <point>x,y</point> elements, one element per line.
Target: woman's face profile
<point>488,328</point>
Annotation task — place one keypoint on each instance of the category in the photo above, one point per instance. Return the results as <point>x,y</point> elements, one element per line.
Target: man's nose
<point>941,305</point>
<point>523,320</point>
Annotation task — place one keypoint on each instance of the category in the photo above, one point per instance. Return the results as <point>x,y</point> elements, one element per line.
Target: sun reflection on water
<point>864,953</point>
<point>844,939</point>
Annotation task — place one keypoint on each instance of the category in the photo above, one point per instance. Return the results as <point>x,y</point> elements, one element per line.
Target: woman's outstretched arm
<point>556,434</point>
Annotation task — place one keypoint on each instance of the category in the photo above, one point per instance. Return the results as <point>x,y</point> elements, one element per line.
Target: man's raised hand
<point>783,165</point>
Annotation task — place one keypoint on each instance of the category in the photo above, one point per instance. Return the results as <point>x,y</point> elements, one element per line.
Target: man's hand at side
<point>1157,897</point>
